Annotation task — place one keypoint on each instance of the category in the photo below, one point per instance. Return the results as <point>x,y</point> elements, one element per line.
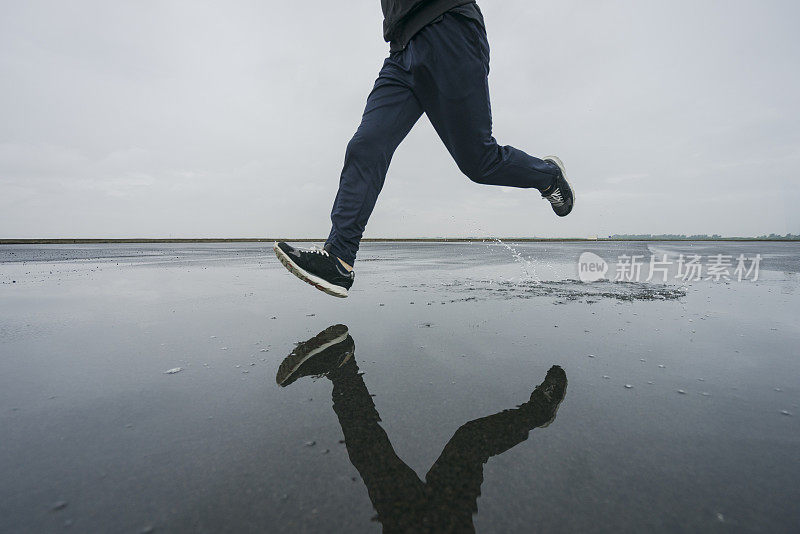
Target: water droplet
<point>786,412</point>
<point>661,366</point>
<point>628,386</point>
<point>173,370</point>
<point>591,355</point>
<point>682,392</point>
<point>606,377</point>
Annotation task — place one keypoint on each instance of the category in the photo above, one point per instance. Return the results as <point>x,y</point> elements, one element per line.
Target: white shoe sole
<point>316,351</point>
<point>560,166</point>
<point>305,276</point>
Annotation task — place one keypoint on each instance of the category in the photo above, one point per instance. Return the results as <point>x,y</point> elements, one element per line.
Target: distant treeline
<point>704,237</point>
<point>615,237</point>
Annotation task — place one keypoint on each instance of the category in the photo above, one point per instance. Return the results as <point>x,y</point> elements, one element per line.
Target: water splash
<point>523,262</point>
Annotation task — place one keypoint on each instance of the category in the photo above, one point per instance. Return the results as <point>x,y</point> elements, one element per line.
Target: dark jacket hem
<point>399,33</point>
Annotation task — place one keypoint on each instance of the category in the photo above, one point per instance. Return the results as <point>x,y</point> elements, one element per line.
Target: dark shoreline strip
<point>80,241</point>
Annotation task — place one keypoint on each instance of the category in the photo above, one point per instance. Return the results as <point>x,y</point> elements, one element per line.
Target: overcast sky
<point>230,119</point>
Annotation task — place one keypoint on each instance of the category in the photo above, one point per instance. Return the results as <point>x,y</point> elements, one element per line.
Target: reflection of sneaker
<point>328,350</point>
<point>547,396</point>
<point>316,266</point>
<point>560,195</point>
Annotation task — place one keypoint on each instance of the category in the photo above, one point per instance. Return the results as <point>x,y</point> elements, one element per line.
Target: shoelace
<point>555,198</point>
<point>316,250</point>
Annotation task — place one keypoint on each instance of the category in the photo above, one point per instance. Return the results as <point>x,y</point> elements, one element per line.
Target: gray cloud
<point>180,118</point>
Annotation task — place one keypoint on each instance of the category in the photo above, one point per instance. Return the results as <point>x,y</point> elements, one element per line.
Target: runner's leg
<point>451,82</point>
<point>391,111</point>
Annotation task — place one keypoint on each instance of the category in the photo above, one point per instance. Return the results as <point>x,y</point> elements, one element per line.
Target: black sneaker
<point>560,194</point>
<point>330,349</point>
<point>317,267</point>
<point>547,396</point>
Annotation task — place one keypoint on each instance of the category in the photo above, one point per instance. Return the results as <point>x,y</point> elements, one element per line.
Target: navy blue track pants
<point>443,72</point>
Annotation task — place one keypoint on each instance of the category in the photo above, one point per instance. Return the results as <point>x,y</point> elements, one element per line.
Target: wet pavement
<point>467,386</point>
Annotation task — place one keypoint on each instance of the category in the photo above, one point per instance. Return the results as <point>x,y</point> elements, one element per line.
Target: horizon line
<point>81,240</point>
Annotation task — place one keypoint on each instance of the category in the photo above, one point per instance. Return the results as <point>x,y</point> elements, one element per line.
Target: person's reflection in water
<point>447,500</point>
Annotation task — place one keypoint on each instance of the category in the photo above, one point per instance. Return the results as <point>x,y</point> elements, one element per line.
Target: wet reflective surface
<point>447,499</point>
<point>681,411</point>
